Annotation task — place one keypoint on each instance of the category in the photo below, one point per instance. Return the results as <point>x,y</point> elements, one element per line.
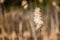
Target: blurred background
<point>29,19</point>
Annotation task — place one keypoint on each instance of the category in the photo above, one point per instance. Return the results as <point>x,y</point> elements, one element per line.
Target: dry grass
<point>18,25</point>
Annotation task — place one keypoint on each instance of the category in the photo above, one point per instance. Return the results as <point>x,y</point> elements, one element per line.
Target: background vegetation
<point>16,22</point>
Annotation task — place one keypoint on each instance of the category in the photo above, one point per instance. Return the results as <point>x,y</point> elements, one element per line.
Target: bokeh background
<point>29,19</point>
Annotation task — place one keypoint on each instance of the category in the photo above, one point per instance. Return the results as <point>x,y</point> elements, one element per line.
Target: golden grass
<point>18,25</point>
